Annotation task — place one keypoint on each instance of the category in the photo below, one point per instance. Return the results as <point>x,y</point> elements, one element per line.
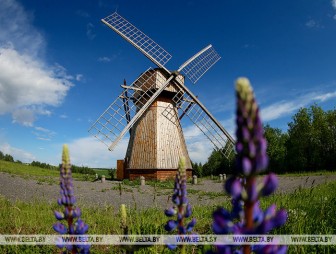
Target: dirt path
<point>96,193</point>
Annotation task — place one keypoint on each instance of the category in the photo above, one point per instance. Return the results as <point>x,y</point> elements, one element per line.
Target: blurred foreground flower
<point>71,214</point>
<point>246,216</point>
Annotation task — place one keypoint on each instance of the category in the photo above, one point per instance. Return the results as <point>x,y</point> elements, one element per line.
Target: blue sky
<point>60,67</point>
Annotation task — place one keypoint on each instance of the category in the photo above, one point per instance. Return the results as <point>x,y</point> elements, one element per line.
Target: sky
<point>61,67</point>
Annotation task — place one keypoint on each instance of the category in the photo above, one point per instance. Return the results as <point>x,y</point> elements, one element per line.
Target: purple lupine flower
<point>71,214</point>
<point>181,208</point>
<point>246,216</point>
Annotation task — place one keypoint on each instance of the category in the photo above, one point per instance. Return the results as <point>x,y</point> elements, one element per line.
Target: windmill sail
<point>138,39</point>
<point>200,63</point>
<point>118,115</point>
<point>189,106</point>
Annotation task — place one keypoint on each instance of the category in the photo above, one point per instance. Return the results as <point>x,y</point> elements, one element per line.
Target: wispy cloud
<point>333,4</point>
<point>82,13</point>
<point>288,107</point>
<point>325,97</point>
<point>17,153</point>
<point>90,31</point>
<point>16,29</point>
<point>79,77</point>
<point>107,59</point>
<point>313,24</point>
<point>27,84</point>
<point>43,133</point>
<point>104,59</point>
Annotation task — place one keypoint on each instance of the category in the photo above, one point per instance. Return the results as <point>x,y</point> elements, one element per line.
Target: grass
<point>40,174</point>
<point>104,172</point>
<point>311,211</point>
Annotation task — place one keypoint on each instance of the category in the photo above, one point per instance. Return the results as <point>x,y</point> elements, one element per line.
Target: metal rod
<point>192,58</point>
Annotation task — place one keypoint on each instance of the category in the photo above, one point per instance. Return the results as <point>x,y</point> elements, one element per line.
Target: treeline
<point>308,145</point>
<point>82,170</point>
<point>74,168</point>
<point>42,165</point>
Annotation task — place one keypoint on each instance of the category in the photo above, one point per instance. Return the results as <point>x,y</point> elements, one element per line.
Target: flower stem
<point>248,207</point>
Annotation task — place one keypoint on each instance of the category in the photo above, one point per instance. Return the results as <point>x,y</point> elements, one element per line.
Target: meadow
<point>311,211</point>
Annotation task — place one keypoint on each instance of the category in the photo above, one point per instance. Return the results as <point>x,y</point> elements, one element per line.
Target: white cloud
<point>191,131</point>
<point>18,154</point>
<point>326,96</point>
<point>200,151</point>
<point>279,109</point>
<point>27,84</point>
<point>63,116</point>
<point>24,116</point>
<point>26,87</point>
<point>89,151</point>
<point>198,145</point>
<point>333,3</point>
<point>285,108</point>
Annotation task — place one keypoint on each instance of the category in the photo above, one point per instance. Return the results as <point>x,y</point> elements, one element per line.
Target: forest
<point>308,145</point>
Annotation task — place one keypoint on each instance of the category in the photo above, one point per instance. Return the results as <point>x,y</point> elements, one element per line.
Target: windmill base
<point>154,174</point>
<point>149,174</point>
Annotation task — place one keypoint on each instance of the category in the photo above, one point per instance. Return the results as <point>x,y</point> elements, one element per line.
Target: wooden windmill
<point>151,109</point>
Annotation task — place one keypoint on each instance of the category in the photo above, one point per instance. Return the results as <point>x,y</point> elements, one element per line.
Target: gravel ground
<point>99,194</point>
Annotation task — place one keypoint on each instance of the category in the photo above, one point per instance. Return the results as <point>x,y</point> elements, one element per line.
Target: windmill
<point>151,108</point>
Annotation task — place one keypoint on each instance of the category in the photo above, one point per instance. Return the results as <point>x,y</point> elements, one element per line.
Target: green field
<point>31,172</point>
<point>311,211</point>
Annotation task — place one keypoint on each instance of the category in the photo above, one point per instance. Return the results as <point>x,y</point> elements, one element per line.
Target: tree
<point>276,148</point>
<point>330,143</point>
<point>299,141</point>
<point>311,142</point>
<point>8,157</point>
<point>319,137</point>
<point>197,169</point>
<point>218,163</point>
<point>2,156</point>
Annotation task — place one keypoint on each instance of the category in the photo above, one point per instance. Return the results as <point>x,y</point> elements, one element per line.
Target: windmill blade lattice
<point>117,116</point>
<point>187,106</point>
<point>138,39</point>
<point>197,65</point>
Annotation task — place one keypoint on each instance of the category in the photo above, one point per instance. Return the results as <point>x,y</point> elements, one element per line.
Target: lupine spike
<point>181,209</point>
<point>251,160</point>
<point>71,214</point>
